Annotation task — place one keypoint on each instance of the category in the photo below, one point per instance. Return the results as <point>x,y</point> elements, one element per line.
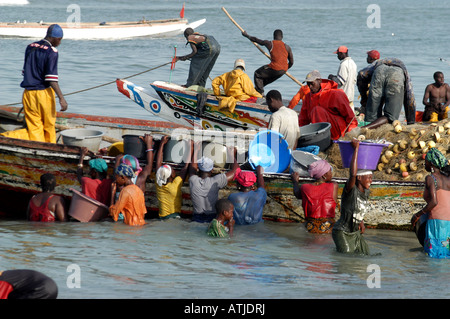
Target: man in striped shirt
<point>40,83</point>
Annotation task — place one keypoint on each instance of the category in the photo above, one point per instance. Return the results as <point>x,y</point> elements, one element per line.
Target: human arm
<point>260,176</point>
<point>230,174</point>
<point>217,83</point>
<point>83,152</point>
<point>185,169</point>
<point>290,56</point>
<point>60,209</point>
<point>159,155</point>
<point>142,177</point>
<point>430,196</point>
<point>193,45</point>
<point>231,223</point>
<point>426,96</point>
<point>193,167</point>
<point>266,43</point>
<point>62,101</point>
<point>353,166</point>
<point>295,185</point>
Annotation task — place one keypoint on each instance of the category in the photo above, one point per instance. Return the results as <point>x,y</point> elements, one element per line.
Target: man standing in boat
<point>205,51</point>
<point>281,59</point>
<point>40,81</point>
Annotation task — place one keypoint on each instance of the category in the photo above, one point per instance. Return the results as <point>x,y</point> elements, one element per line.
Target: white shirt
<point>285,122</point>
<point>347,76</point>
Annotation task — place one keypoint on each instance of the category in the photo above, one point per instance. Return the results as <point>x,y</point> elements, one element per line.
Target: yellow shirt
<point>169,197</point>
<point>237,86</point>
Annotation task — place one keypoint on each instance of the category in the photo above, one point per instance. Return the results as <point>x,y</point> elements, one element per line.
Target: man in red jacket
<point>326,103</point>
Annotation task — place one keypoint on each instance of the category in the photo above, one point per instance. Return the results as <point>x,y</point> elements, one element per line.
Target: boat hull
<point>177,104</point>
<point>107,31</point>
<point>391,204</point>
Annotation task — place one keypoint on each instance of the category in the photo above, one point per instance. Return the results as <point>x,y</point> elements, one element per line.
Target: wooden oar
<point>259,48</point>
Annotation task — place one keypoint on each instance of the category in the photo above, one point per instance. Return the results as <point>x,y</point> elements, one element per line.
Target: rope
<point>101,85</point>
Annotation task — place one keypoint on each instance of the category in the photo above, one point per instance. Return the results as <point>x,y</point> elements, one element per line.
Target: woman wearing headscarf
<point>168,183</point>
<point>131,202</point>
<point>435,216</point>
<point>97,185</point>
<point>319,199</point>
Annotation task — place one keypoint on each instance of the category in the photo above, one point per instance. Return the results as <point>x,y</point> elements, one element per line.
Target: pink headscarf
<point>318,169</point>
<point>245,178</point>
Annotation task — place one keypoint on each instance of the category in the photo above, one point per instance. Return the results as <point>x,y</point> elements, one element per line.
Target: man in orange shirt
<point>281,59</point>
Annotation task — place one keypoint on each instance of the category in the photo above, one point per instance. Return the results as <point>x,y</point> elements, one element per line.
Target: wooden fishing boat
<point>177,104</point>
<point>22,162</point>
<point>102,30</point>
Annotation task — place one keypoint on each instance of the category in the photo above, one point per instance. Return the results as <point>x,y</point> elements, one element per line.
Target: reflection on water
<point>175,259</point>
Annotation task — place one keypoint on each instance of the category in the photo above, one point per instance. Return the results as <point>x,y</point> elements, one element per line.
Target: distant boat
<point>13,2</point>
<point>101,31</point>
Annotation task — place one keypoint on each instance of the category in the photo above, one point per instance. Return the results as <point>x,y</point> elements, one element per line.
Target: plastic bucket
<point>86,209</point>
<point>301,160</point>
<point>134,145</point>
<point>215,151</point>
<point>176,151</point>
<point>368,154</point>
<point>83,137</point>
<point>271,151</point>
<point>315,134</point>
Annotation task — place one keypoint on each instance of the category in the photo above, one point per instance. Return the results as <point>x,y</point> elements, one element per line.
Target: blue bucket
<point>271,151</point>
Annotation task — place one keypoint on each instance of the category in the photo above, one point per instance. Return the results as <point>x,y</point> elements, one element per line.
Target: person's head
<point>313,81</point>
<point>98,167</point>
<point>48,182</point>
<point>321,170</point>
<point>239,63</point>
<point>205,165</point>
<point>274,100</point>
<point>277,34</point>
<point>438,77</point>
<point>245,180</point>
<point>224,207</point>
<point>342,52</point>
<point>435,159</point>
<point>131,161</point>
<point>124,174</point>
<point>364,178</point>
<point>188,32</point>
<point>54,34</point>
<point>164,175</point>
<point>372,56</point>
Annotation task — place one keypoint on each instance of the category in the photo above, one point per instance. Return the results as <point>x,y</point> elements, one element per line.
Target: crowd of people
<point>384,86</point>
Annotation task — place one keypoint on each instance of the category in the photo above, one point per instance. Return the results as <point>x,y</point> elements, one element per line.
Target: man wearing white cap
<point>346,76</point>
<point>237,86</point>
<point>204,187</point>
<point>40,83</point>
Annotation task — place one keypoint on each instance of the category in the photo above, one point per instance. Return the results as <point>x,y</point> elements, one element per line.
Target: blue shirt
<point>40,66</point>
<point>248,206</point>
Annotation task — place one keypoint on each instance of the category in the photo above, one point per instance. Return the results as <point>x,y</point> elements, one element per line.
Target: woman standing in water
<point>436,212</point>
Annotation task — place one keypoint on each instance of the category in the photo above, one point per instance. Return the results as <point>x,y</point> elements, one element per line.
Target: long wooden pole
<point>256,44</point>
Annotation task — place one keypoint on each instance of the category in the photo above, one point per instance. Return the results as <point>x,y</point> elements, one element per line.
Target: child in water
<point>223,224</point>
<point>348,230</point>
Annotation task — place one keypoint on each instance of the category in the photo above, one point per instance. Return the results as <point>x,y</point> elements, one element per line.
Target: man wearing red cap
<point>346,76</point>
<point>250,200</point>
<point>372,56</point>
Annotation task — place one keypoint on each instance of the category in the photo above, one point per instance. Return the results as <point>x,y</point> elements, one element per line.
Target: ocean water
<point>175,258</point>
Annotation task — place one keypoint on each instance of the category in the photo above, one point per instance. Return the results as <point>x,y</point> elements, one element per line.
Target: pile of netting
<point>404,158</point>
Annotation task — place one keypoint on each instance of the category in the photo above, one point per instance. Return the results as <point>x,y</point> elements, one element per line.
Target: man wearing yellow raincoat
<point>237,86</point>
